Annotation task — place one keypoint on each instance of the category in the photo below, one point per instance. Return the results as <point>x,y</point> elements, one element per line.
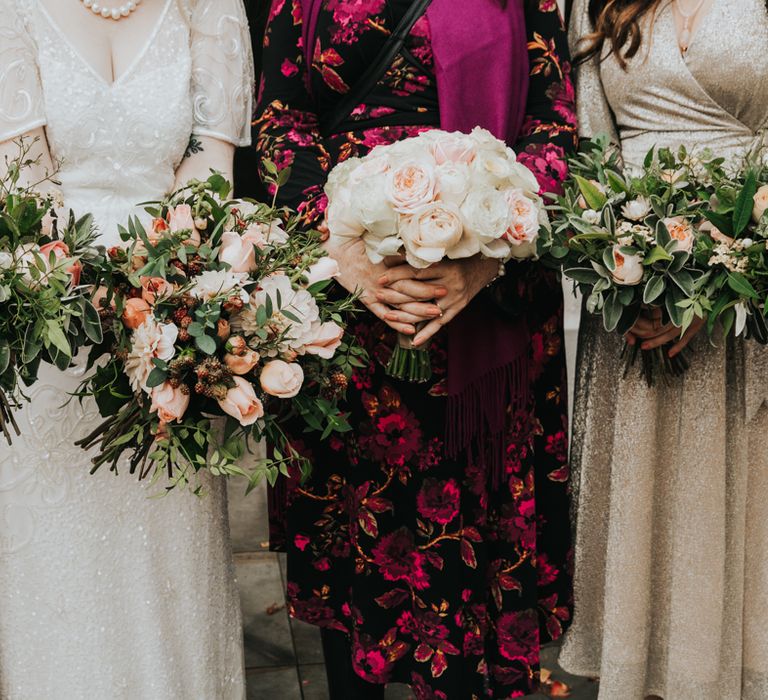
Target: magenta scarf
<point>481,62</point>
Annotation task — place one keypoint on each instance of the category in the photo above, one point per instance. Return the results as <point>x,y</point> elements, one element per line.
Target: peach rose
<point>135,312</point>
<point>628,269</point>
<point>761,203</point>
<point>281,379</point>
<point>242,403</point>
<point>236,345</point>
<point>681,230</point>
<point>223,329</point>
<point>239,251</point>
<point>327,340</point>
<point>180,219</point>
<point>324,269</point>
<point>242,364</point>
<point>154,287</point>
<point>60,251</point>
<point>169,402</point>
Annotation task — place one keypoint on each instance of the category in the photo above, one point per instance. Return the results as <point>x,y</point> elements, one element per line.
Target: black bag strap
<point>376,70</point>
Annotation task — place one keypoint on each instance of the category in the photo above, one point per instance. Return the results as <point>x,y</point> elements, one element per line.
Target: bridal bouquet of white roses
<point>437,195</point>
<point>627,239</point>
<point>45,312</point>
<point>217,310</point>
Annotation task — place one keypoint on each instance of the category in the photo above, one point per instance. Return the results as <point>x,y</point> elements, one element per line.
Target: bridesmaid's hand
<point>652,333</point>
<point>359,274</point>
<point>453,283</point>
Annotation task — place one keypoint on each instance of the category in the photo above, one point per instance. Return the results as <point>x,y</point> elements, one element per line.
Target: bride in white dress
<point>105,593</point>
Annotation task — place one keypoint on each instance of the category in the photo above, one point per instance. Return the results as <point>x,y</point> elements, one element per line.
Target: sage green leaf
<point>206,344</point>
<point>57,338</point>
<point>745,202</point>
<point>594,198</point>
<point>654,289</point>
<point>741,285</point>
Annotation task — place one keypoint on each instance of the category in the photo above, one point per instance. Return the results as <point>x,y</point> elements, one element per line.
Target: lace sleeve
<point>21,97</point>
<point>594,113</point>
<point>222,71</point>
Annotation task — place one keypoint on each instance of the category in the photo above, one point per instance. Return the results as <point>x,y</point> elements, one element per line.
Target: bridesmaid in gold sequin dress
<point>672,522</point>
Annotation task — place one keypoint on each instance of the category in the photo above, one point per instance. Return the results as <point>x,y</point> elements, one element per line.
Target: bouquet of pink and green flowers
<point>434,196</point>
<point>217,310</point>
<point>45,311</point>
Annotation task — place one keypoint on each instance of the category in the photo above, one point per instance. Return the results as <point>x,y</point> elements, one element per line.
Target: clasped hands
<point>650,332</point>
<point>413,302</point>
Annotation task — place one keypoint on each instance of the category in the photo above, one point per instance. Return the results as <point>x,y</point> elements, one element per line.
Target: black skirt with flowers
<point>440,582</point>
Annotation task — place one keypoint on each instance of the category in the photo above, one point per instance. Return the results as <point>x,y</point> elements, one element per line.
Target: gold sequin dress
<point>672,481</point>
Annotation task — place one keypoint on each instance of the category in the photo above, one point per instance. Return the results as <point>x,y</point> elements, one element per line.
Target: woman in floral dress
<point>417,570</point>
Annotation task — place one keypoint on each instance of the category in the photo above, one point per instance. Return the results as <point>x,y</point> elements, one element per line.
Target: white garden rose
<point>25,256</point>
<point>636,209</point>
<point>681,231</point>
<point>523,232</point>
<point>454,148</point>
<point>453,182</point>
<point>591,216</point>
<point>412,184</point>
<point>628,268</point>
<point>342,216</point>
<point>431,233</point>
<point>485,140</point>
<point>761,203</point>
<point>487,218</point>
<point>6,260</point>
<point>372,206</point>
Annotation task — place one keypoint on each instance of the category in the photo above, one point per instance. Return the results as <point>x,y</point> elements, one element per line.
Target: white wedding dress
<point>105,593</point>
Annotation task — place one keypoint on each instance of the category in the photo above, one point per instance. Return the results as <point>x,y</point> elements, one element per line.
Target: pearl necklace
<point>686,34</point>
<point>114,13</point>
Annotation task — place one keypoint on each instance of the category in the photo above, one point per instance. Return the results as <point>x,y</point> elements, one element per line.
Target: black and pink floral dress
<point>440,583</point>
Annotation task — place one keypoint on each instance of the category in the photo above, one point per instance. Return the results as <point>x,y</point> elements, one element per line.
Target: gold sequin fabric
<point>672,481</point>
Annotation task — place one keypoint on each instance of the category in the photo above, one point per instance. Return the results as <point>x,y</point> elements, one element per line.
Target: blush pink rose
<point>238,250</point>
<point>242,364</point>
<point>454,148</point>
<point>324,269</point>
<point>412,185</point>
<point>169,402</point>
<point>135,312</point>
<point>242,403</point>
<point>180,219</point>
<point>61,251</point>
<point>281,379</point>
<point>326,341</point>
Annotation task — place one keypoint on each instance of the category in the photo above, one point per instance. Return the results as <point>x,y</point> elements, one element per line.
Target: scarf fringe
<point>477,418</point>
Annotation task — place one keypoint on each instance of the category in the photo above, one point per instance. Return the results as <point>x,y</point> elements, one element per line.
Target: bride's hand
<point>358,273</point>
<point>453,283</point>
<point>652,333</point>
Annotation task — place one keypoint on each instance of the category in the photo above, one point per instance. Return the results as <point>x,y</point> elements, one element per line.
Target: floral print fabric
<point>440,582</point>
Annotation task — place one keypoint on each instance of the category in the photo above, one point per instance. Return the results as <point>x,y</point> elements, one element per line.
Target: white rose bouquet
<point>45,312</point>
<point>435,196</point>
<point>218,310</point>
<point>627,240</point>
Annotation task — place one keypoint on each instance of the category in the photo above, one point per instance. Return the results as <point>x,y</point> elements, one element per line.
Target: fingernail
<point>384,280</point>
<point>441,292</point>
<point>435,312</point>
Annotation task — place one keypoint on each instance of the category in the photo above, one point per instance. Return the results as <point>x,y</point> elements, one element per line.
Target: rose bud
<point>326,341</point>
<point>169,402</point>
<point>629,268</point>
<point>223,329</point>
<point>154,287</point>
<point>281,379</point>
<point>324,269</point>
<point>180,219</point>
<point>236,345</point>
<point>135,313</point>
<point>242,364</point>
<point>242,403</point>
<point>115,252</point>
<point>160,228</point>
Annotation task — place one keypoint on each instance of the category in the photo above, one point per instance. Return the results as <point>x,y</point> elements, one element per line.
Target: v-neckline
<point>110,85</point>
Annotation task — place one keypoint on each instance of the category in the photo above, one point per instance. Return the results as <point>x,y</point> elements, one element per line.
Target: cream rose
<point>281,379</point>
<point>431,233</point>
<point>238,251</point>
<point>169,402</point>
<point>453,182</point>
<point>523,231</point>
<point>628,270</point>
<point>242,364</point>
<point>412,185</point>
<point>324,269</point>
<point>487,215</point>
<point>454,148</point>
<point>242,403</point>
<point>681,231</point>
<point>761,203</point>
<point>326,341</point>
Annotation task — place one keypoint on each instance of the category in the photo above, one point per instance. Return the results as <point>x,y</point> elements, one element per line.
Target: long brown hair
<point>618,23</point>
